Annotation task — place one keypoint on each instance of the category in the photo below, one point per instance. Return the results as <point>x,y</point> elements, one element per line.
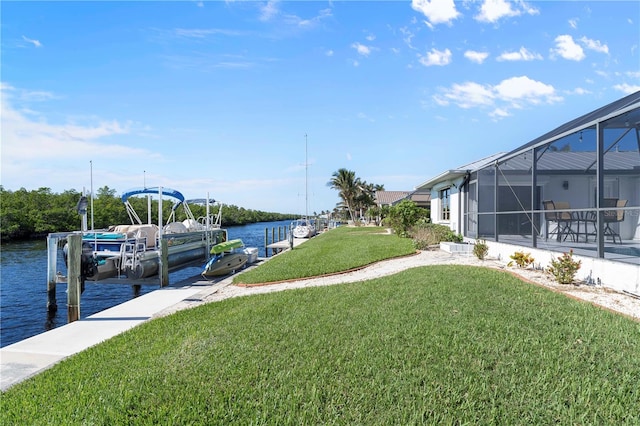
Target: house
<point>391,198</point>
<point>575,188</point>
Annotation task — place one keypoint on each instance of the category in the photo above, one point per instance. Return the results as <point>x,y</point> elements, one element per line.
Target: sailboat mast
<point>306,179</point>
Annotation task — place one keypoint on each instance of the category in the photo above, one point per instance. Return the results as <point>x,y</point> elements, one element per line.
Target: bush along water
<point>564,268</point>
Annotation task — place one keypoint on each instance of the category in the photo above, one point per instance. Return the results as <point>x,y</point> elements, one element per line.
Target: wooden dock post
<point>52,260</point>
<point>273,240</point>
<point>164,263</point>
<point>74,280</point>
<point>266,242</point>
<point>290,236</point>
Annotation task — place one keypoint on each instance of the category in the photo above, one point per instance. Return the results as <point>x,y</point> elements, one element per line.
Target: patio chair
<point>612,217</point>
<point>561,220</point>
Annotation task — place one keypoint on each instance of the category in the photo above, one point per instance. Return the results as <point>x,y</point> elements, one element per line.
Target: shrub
<point>523,260</point>
<point>564,268</point>
<point>480,249</point>
<point>404,215</point>
<point>425,234</point>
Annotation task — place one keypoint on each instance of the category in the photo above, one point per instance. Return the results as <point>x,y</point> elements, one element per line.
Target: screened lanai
<point>576,187</point>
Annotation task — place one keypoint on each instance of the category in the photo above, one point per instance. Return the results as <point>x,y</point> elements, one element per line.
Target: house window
<point>445,210</point>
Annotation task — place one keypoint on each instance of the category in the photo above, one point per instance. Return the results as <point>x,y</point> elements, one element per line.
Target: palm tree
<point>345,182</point>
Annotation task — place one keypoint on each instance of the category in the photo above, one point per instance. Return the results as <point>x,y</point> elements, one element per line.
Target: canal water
<point>23,284</point>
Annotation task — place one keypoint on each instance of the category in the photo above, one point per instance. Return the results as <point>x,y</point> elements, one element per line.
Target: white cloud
<point>466,95</point>
<point>525,89</point>
<point>499,113</point>
<point>363,116</point>
<point>579,91</point>
<point>203,33</point>
<point>568,49</point>
<point>436,57</point>
<point>362,49</point>
<point>521,55</point>
<point>269,10</point>
<point>594,45</point>
<point>477,57</point>
<point>36,43</point>
<point>627,89</point>
<point>329,52</point>
<point>32,147</point>
<point>512,93</point>
<point>436,11</point>
<point>296,21</point>
<point>573,23</point>
<point>407,36</point>
<point>492,11</point>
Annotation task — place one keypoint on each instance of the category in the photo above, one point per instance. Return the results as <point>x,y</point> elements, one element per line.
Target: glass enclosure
<point>580,191</point>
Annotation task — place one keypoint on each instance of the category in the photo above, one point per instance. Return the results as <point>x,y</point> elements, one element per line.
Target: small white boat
<point>228,257</point>
<point>303,228</point>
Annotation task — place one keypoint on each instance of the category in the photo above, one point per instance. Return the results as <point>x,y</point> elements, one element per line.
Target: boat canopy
<point>153,191</point>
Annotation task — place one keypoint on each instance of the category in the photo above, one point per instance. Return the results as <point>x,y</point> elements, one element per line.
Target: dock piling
<point>52,260</point>
<point>164,263</point>
<point>74,279</point>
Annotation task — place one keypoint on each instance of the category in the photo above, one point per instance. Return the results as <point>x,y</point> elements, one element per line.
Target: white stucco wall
<point>455,204</point>
<point>615,275</point>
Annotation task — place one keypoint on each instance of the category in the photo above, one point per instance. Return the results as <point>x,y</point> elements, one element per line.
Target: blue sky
<point>215,97</point>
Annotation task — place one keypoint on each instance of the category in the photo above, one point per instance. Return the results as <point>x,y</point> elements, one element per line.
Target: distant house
<point>391,198</point>
<point>575,188</point>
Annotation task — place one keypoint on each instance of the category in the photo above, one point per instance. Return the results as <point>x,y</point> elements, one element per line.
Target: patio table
<point>584,218</point>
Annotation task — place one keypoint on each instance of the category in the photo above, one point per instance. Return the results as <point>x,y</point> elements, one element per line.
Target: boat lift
<point>209,229</point>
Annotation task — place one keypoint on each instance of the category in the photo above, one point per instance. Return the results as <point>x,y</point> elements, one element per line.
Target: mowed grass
<point>431,345</point>
<point>337,250</point>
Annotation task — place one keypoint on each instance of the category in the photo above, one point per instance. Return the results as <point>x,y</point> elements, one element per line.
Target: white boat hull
<point>303,229</point>
<point>225,264</point>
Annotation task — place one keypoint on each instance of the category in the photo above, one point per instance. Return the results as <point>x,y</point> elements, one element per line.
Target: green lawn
<point>435,345</point>
<point>337,250</point>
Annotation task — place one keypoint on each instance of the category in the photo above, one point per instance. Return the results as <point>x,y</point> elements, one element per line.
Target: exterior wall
<point>455,205</point>
<point>614,275</point>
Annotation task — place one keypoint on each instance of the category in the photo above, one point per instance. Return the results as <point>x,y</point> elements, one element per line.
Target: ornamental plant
<point>564,268</point>
<point>426,234</point>
<point>480,249</point>
<point>523,260</point>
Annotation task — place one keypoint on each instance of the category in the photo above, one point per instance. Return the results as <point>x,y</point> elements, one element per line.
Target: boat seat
<point>148,232</point>
<point>174,228</point>
<point>123,229</point>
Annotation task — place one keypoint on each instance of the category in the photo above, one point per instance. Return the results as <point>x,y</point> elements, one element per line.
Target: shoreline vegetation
<point>26,215</point>
<point>441,344</point>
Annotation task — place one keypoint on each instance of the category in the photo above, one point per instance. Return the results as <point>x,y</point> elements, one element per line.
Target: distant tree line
<point>34,214</point>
